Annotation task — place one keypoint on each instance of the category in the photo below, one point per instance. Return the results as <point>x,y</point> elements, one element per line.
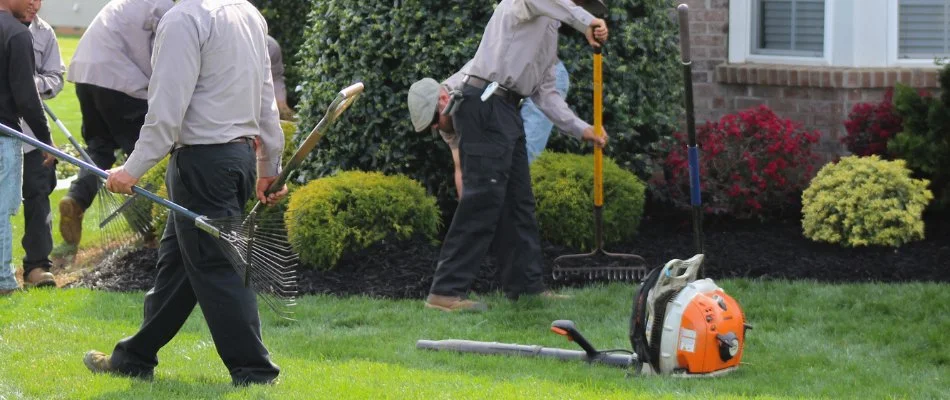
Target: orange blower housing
<point>686,327</point>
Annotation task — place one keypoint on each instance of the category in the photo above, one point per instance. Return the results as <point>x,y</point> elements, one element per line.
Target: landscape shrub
<point>752,164</point>
<point>350,211</point>
<point>924,142</point>
<point>388,45</point>
<point>865,201</point>
<point>871,125</point>
<point>563,187</point>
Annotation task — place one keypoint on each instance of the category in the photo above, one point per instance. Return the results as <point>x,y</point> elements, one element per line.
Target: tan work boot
<point>99,362</point>
<point>70,220</point>
<point>449,303</point>
<point>39,277</point>
<point>7,292</point>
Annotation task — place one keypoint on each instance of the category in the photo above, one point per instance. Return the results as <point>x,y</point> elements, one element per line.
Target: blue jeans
<point>11,177</point>
<point>537,127</point>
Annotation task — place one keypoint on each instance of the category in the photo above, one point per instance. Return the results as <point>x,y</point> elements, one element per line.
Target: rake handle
<point>598,128</point>
<point>69,136</point>
<point>199,220</point>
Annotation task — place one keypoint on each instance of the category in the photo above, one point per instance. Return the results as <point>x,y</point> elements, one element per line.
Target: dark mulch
<point>745,249</point>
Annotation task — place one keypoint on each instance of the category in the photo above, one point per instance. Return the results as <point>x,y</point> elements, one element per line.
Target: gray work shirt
<point>115,51</point>
<point>49,67</point>
<point>211,83</point>
<point>519,51</point>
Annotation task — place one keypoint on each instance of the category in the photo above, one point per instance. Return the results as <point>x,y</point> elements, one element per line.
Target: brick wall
<point>818,97</point>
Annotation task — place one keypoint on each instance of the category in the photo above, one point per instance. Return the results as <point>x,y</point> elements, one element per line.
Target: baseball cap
<point>423,102</point>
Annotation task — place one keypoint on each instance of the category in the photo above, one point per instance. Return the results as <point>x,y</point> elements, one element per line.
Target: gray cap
<point>423,102</point>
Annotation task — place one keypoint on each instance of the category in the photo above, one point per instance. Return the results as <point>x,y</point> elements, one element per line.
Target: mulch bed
<point>747,249</point>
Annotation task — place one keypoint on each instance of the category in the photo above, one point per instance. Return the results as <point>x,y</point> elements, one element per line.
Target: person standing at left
<point>18,98</point>
<point>39,180</point>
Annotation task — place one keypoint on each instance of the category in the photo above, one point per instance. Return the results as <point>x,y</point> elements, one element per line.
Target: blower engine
<point>684,326</point>
<point>680,327</point>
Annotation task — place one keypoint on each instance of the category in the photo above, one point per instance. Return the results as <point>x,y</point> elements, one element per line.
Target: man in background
<point>18,99</point>
<point>39,180</point>
<point>111,69</point>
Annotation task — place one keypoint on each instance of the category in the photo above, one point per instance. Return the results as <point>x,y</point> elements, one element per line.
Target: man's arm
<point>458,172</point>
<point>25,96</point>
<point>50,70</point>
<point>175,67</point>
<point>561,10</point>
<point>553,106</point>
<point>272,137</point>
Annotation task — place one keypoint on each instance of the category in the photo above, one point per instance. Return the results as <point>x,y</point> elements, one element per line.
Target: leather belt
<point>242,139</point>
<point>503,92</point>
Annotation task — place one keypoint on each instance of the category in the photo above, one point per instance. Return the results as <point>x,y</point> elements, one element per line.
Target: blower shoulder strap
<point>638,320</point>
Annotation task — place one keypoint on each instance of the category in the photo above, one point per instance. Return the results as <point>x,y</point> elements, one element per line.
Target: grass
<point>809,341</point>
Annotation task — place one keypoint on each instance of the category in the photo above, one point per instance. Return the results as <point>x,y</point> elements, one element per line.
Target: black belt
<point>503,92</point>
<point>242,139</point>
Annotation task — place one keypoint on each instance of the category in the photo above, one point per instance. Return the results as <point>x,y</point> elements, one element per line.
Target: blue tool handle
<point>695,195</point>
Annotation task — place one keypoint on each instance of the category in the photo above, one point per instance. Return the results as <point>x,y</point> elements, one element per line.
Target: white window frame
<point>893,41</point>
<point>741,45</point>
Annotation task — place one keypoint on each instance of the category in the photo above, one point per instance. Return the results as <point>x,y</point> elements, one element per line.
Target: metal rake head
<point>258,248</point>
<point>600,264</point>
<point>124,221</point>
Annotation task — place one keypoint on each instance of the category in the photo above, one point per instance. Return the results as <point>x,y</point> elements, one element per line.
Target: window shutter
<point>794,27</point>
<point>924,28</point>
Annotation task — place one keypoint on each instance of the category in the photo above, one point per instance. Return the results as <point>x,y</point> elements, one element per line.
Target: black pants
<point>215,181</point>
<point>497,203</point>
<point>111,120</point>
<point>38,183</point>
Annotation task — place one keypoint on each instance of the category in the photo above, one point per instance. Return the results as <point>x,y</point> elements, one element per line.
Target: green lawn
<point>809,341</point>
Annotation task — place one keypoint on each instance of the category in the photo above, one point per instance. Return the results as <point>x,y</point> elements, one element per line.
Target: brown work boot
<point>70,220</point>
<point>99,362</point>
<point>7,292</point>
<point>39,277</point>
<point>449,303</point>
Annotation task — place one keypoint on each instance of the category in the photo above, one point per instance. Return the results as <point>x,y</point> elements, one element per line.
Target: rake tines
<point>137,220</point>
<point>258,249</point>
<point>600,264</point>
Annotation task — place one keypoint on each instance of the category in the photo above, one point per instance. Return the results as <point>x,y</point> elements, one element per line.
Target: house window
<point>789,27</point>
<point>924,29</point>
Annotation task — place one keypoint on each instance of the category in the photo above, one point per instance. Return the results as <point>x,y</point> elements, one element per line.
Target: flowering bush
<point>752,163</point>
<point>870,126</point>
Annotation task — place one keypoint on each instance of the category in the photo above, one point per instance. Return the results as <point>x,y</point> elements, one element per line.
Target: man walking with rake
<point>209,111</point>
<point>515,59</point>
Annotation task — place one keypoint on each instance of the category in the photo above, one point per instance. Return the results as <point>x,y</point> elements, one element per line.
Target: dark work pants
<point>215,181</point>
<point>111,120</point>
<point>497,203</point>
<point>38,183</point>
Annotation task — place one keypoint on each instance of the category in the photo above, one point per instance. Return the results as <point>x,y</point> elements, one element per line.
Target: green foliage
<point>924,142</point>
<point>563,187</point>
<point>865,201</point>
<point>389,45</point>
<point>289,128</point>
<point>154,181</point>
<point>286,23</point>
<point>348,212</point>
<point>642,82</point>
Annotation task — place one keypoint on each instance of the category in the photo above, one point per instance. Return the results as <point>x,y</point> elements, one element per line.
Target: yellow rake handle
<point>598,129</point>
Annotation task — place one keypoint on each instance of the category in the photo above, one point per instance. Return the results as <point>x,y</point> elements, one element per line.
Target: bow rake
<point>229,236</point>
<point>611,266</point>
<point>133,212</point>
<point>263,251</point>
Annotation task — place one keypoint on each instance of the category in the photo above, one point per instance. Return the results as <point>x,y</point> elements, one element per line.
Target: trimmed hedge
<point>563,187</point>
<point>865,201</point>
<point>348,212</point>
<point>388,45</point>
